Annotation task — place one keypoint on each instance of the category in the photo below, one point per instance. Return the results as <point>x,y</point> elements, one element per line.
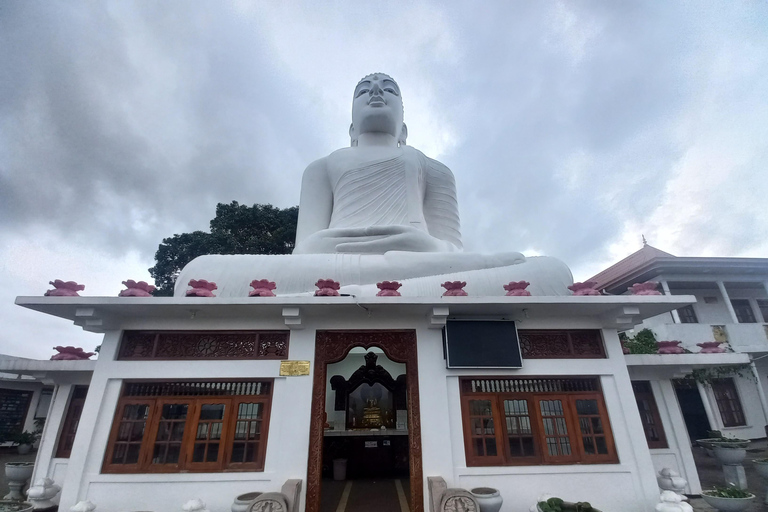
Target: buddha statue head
<point>377,107</point>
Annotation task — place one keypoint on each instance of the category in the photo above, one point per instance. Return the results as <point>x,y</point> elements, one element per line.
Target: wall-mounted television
<point>482,344</point>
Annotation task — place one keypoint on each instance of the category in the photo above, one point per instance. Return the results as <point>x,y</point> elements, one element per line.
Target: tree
<point>236,229</point>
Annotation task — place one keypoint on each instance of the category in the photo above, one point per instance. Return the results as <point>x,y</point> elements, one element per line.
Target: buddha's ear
<point>403,135</point>
<point>352,138</point>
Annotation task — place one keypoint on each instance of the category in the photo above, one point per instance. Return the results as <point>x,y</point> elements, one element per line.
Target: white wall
<point>629,486</point>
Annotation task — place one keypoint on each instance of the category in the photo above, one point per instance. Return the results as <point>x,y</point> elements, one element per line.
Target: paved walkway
<point>711,474</point>
<point>366,495</point>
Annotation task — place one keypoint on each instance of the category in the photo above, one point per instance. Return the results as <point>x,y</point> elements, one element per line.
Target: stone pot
<point>727,504</point>
<point>761,466</point>
<point>17,474</point>
<point>244,501</point>
<point>24,449</point>
<point>728,456</point>
<point>15,506</point>
<point>488,498</point>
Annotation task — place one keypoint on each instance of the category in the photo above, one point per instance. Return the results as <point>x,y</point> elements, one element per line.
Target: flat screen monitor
<point>482,344</point>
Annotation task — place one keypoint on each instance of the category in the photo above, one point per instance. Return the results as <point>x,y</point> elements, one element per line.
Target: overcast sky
<point>572,128</point>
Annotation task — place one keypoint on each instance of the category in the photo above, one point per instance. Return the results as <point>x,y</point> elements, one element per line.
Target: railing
<point>741,337</point>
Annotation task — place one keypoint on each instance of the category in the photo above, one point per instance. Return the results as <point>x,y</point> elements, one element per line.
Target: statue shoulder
<point>432,166</point>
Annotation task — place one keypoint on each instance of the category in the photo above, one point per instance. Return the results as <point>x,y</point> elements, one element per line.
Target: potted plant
<point>488,498</point>
<point>730,450</point>
<point>728,499</point>
<point>25,440</point>
<point>558,505</point>
<point>761,465</point>
<point>15,506</point>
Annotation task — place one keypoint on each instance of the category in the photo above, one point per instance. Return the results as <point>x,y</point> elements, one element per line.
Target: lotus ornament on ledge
<point>388,289</point>
<point>711,347</point>
<point>201,288</point>
<point>454,288</point>
<point>646,288</point>
<point>262,288</point>
<point>327,288</point>
<point>670,347</point>
<point>136,289</point>
<point>585,288</point>
<point>517,289</point>
<point>64,289</point>
<point>70,353</point>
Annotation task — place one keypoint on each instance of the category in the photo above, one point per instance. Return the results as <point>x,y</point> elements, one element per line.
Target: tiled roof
<point>627,265</point>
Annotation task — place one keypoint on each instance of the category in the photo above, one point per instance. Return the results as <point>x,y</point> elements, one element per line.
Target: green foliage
<point>644,342</point>
<point>558,505</point>
<point>714,434</point>
<point>236,229</point>
<point>707,375</point>
<point>728,492</point>
<point>25,437</point>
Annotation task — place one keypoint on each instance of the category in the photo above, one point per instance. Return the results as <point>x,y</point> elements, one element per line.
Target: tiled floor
<point>369,495</point>
<point>711,474</point>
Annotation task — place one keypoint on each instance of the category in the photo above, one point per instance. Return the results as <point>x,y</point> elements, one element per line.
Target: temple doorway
<point>365,449</point>
<point>692,408</point>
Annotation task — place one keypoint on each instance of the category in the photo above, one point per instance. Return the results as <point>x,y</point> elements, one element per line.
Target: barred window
<point>728,402</point>
<point>649,415</point>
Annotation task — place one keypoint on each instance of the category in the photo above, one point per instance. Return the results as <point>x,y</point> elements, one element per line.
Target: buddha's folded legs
<point>297,274</point>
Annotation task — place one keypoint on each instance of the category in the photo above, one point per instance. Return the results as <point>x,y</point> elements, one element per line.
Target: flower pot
<point>727,504</point>
<point>24,449</point>
<point>761,466</point>
<point>244,501</point>
<point>15,506</point>
<point>729,456</point>
<point>17,474</point>
<point>488,498</point>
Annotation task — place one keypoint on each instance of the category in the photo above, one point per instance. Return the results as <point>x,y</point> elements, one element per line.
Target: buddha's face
<point>377,106</point>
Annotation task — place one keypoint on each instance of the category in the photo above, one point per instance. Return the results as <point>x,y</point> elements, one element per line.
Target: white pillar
<point>675,315</point>
<point>714,419</point>
<point>760,391</point>
<point>727,300</point>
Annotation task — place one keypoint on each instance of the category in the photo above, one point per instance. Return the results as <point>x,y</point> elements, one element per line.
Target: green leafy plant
<point>25,437</point>
<point>705,376</point>
<point>558,505</point>
<point>644,342</point>
<point>728,492</point>
<point>714,434</point>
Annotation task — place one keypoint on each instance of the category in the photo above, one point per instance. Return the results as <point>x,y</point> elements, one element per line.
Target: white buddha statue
<point>378,210</point>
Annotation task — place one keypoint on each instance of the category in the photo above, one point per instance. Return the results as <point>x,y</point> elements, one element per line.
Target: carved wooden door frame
<point>332,347</point>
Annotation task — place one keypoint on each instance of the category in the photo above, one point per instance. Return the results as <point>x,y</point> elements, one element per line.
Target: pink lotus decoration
<point>327,288</point>
<point>711,347</point>
<point>646,288</point>
<point>262,288</point>
<point>670,347</point>
<point>388,289</point>
<point>201,288</point>
<point>517,289</point>
<point>71,354</point>
<point>64,289</point>
<point>585,288</point>
<point>454,288</point>
<point>134,289</point>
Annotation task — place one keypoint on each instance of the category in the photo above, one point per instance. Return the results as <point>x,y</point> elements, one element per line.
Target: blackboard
<point>482,344</point>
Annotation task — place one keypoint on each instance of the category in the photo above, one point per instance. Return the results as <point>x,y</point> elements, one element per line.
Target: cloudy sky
<point>572,128</point>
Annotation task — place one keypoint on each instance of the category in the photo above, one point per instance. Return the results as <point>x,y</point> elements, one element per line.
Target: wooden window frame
<point>541,455</point>
<point>687,315</point>
<point>185,464</point>
<point>71,422</point>
<point>729,415</point>
<point>744,312</point>
<point>653,410</point>
<point>762,305</point>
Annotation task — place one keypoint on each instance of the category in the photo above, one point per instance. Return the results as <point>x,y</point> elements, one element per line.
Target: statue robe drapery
<point>410,189</point>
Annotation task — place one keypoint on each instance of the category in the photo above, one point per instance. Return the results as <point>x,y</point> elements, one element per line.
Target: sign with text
<point>294,368</point>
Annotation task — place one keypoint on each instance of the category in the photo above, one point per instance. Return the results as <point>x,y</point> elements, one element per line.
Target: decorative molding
<point>561,344</point>
<point>333,346</point>
<point>172,345</point>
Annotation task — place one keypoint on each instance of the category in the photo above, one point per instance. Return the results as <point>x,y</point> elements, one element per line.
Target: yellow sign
<point>293,368</point>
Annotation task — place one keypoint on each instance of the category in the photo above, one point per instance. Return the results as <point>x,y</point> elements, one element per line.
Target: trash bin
<point>339,469</point>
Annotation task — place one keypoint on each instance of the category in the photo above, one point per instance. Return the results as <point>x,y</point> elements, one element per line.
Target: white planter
<point>15,506</point>
<point>727,504</point>
<point>17,474</point>
<point>488,498</point>
<point>762,470</point>
<point>728,456</point>
<point>243,502</point>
